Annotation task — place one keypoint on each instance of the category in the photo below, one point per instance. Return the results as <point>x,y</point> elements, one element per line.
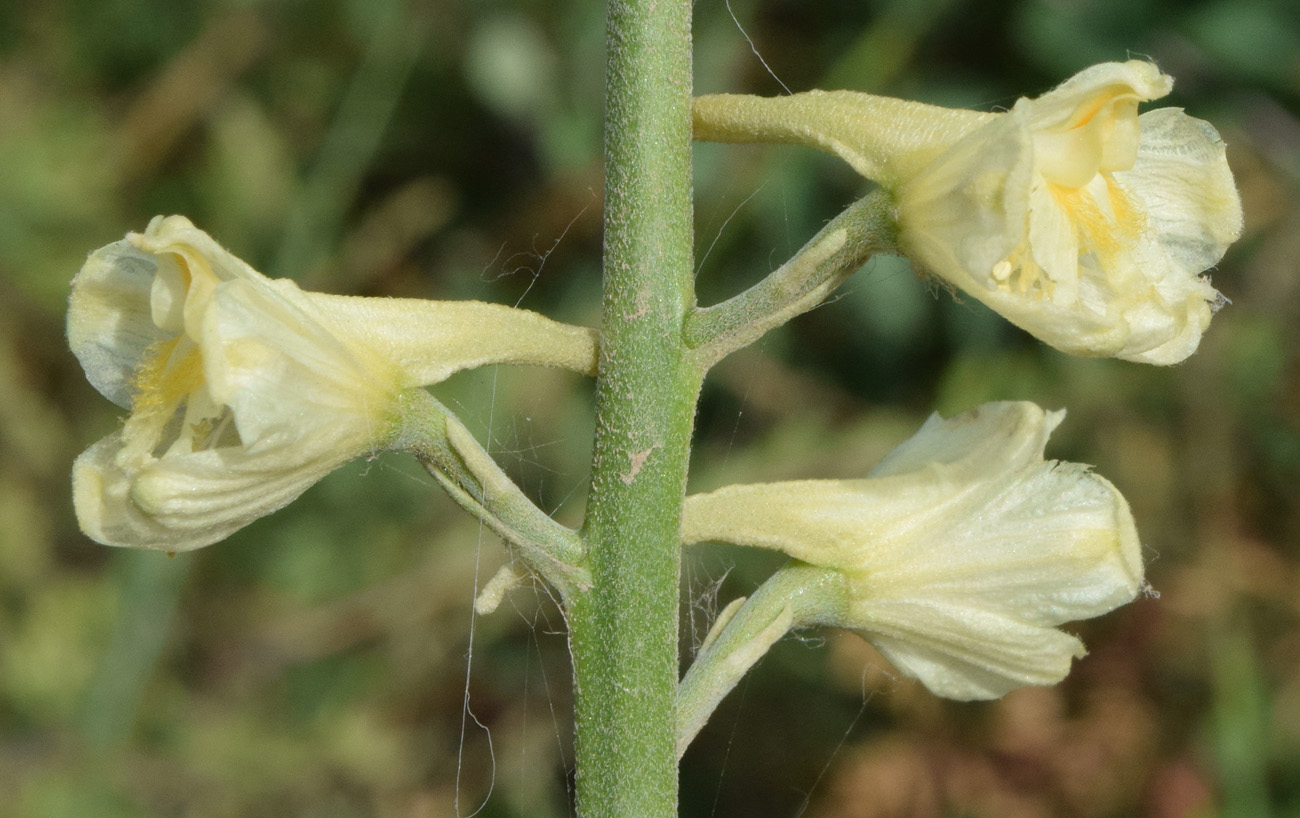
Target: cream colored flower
<point>1080,221</point>
<point>1077,219</point>
<point>244,391</point>
<point>961,553</point>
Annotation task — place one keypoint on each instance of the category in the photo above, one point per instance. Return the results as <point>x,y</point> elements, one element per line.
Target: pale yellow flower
<point>244,390</point>
<point>960,554</point>
<point>1080,221</point>
<point>1077,219</point>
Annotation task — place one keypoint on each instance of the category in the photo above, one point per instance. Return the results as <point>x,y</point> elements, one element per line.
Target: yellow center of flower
<point>171,409</point>
<point>170,371</point>
<point>1085,218</point>
<point>1104,217</point>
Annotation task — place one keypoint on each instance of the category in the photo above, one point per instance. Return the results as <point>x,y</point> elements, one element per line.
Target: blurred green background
<point>325,661</point>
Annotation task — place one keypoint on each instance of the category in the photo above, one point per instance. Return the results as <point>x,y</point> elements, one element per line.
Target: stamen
<point>169,370</point>
<point>1019,272</point>
<point>218,432</point>
<point>1108,224</point>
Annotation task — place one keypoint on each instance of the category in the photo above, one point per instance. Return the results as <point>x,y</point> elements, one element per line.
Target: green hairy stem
<point>623,631</point>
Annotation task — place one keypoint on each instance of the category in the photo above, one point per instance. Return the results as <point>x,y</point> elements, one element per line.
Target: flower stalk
<point>469,475</point>
<point>837,251</point>
<point>623,632</point>
<point>795,596</point>
<point>959,557</point>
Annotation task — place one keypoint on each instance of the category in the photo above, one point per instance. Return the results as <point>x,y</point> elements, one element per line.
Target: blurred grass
<point>315,664</point>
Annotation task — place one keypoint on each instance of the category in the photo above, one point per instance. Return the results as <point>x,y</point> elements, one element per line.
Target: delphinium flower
<point>1073,216</point>
<point>957,558</point>
<point>244,390</point>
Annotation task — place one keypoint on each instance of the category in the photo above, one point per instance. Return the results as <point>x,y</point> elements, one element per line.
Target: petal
<point>278,369</point>
<point>1183,179</point>
<point>1188,322</point>
<point>183,502</point>
<point>1079,98</point>
<point>1054,246</point>
<point>101,499</point>
<point>1055,544</point>
<point>218,491</point>
<point>202,254</point>
<point>190,266</point>
<point>969,209</point>
<point>1078,329</point>
<point>1012,434</point>
<point>109,323</point>
<point>968,655</point>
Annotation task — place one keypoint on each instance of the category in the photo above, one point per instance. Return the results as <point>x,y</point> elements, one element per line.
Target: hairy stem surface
<point>624,630</point>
